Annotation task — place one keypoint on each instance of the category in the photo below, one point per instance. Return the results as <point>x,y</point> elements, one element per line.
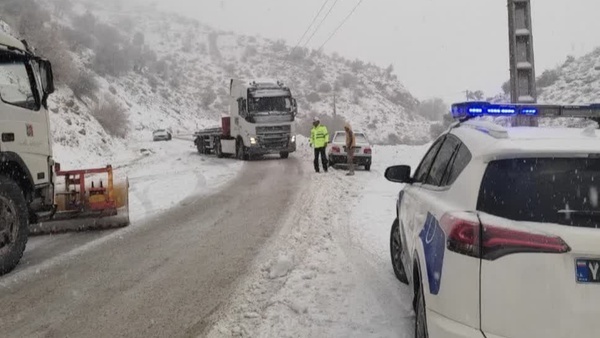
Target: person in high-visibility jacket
<point>319,137</point>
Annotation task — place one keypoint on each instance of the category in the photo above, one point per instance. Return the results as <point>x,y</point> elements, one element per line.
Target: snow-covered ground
<point>328,273</point>
<point>161,174</point>
<point>169,172</point>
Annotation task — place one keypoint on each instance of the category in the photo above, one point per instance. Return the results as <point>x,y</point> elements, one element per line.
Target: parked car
<point>362,152</point>
<point>161,135</point>
<point>497,233</point>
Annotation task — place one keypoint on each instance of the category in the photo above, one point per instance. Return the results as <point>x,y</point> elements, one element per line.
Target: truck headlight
<point>293,138</point>
<point>252,140</point>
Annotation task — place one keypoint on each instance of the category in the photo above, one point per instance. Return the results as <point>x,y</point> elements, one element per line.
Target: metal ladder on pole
<point>522,65</point>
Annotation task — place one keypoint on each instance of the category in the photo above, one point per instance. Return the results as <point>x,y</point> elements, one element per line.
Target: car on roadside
<point>338,154</point>
<point>497,230</point>
<point>162,135</point>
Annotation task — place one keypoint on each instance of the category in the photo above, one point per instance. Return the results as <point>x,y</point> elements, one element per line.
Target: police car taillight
<point>367,150</point>
<point>335,149</point>
<point>467,236</point>
<point>462,233</point>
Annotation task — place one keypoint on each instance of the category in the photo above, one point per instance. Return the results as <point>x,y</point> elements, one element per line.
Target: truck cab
<point>262,114</point>
<point>26,175</point>
<point>26,81</point>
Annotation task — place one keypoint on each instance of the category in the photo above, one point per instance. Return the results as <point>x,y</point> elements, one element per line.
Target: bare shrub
<point>357,66</point>
<point>278,46</point>
<point>325,88</point>
<point>313,97</point>
<point>548,78</point>
<point>112,116</point>
<point>111,59</point>
<point>84,85</point>
<point>77,39</point>
<point>433,109</point>
<point>347,80</point>
<point>403,99</point>
<point>298,54</point>
<point>506,87</point>
<point>208,97</point>
<point>250,51</point>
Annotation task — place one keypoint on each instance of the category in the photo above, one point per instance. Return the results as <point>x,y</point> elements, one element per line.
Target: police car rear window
<point>548,190</point>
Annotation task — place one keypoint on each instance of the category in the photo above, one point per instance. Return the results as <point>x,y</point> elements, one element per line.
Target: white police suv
<point>498,229</point>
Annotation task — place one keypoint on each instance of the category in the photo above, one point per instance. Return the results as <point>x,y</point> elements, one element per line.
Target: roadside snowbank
<point>327,274</point>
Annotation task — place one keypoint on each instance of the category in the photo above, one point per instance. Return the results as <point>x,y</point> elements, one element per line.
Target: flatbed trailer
<point>214,141</point>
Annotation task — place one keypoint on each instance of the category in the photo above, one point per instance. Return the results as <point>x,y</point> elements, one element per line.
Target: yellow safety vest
<point>319,137</point>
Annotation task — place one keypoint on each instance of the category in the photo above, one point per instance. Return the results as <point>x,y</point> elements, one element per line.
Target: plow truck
<point>260,122</point>
<point>36,195</point>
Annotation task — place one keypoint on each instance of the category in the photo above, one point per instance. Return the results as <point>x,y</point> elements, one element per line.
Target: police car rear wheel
<point>421,319</point>
<point>396,253</point>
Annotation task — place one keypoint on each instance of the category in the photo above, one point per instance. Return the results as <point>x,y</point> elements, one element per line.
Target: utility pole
<point>522,65</point>
<point>334,108</point>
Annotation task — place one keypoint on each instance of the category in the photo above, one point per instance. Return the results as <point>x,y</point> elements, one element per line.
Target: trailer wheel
<point>14,224</point>
<point>200,145</point>
<point>218,149</point>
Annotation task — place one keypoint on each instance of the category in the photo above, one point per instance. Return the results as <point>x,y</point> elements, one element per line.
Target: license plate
<point>356,150</point>
<point>587,270</point>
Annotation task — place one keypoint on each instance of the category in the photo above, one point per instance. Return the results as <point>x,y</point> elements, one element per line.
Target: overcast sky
<point>438,47</point>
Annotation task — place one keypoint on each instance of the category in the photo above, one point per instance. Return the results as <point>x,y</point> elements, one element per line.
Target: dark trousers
<point>320,151</point>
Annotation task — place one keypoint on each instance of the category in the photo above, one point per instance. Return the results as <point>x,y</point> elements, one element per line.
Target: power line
<point>341,24</point>
<point>311,24</point>
<point>286,59</point>
<point>321,23</point>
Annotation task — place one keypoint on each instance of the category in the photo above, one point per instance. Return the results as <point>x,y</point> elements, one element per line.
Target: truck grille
<point>273,136</point>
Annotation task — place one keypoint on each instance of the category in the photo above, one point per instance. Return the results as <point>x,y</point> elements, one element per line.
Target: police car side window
<point>442,161</point>
<point>423,170</point>
<point>457,165</point>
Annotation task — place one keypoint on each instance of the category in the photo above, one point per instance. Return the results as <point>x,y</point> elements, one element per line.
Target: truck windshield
<point>257,105</point>
<point>16,85</point>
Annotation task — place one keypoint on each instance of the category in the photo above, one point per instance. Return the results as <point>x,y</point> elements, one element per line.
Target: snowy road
<point>276,257</point>
<point>159,278</point>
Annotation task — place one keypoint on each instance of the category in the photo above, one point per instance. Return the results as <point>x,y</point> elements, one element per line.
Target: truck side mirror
<point>294,107</point>
<point>47,77</point>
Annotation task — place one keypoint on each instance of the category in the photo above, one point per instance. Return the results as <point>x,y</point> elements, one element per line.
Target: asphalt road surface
<point>162,279</point>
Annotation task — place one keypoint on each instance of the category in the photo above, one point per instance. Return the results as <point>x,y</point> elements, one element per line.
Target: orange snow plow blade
<point>88,199</point>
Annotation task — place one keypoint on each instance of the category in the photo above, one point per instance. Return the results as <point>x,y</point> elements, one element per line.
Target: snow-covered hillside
<point>577,81</point>
<point>167,71</point>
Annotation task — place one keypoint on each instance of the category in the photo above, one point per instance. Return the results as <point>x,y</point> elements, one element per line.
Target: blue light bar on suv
<point>475,108</point>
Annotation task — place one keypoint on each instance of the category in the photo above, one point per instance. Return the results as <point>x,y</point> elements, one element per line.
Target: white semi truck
<point>260,122</point>
<point>32,198</point>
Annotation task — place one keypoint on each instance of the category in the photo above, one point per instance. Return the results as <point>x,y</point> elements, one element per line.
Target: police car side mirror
<point>398,174</point>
